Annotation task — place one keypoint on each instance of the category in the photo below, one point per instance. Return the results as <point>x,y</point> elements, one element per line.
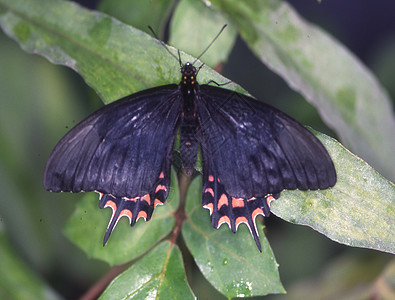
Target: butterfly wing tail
<point>234,211</point>
<point>137,207</point>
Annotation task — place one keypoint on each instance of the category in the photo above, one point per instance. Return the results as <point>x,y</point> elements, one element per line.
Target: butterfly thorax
<point>189,122</point>
<point>188,82</point>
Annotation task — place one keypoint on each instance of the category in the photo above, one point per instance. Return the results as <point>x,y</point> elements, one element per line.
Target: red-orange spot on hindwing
<point>146,198</point>
<point>157,202</point>
<point>269,199</point>
<point>211,178</point>
<point>209,190</point>
<point>257,211</point>
<point>161,175</point>
<point>131,199</point>
<point>209,206</point>
<point>111,204</point>
<point>126,213</point>
<point>160,187</point>
<point>240,220</point>
<point>223,219</point>
<point>142,214</point>
<point>223,200</point>
<point>237,202</point>
<point>251,199</point>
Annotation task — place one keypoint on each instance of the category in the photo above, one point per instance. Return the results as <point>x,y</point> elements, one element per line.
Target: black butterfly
<point>250,153</point>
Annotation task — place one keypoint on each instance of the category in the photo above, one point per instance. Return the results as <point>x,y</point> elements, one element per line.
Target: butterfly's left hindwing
<point>251,152</point>
<point>123,151</point>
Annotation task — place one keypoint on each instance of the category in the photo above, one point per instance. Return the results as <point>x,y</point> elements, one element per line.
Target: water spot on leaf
<point>243,288</point>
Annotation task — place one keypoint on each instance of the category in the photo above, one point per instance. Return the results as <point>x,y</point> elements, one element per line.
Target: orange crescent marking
<point>142,214</point>
<point>209,190</point>
<point>256,212</point>
<point>223,200</point>
<point>161,175</point>
<point>237,202</point>
<point>251,199</point>
<point>241,220</point>
<point>157,202</point>
<point>146,198</point>
<point>222,220</point>
<point>209,206</point>
<point>127,213</point>
<point>211,178</point>
<point>160,187</point>
<point>269,199</point>
<point>111,204</point>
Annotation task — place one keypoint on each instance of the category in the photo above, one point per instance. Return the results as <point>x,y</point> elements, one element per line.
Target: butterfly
<point>250,153</point>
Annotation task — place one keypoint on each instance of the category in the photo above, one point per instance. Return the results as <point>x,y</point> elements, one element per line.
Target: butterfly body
<point>189,120</point>
<point>250,153</point>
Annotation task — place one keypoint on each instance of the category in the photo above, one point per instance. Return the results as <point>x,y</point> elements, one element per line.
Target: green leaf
<point>35,107</point>
<point>358,211</point>
<point>190,15</point>
<point>159,275</point>
<point>345,92</point>
<point>17,281</point>
<point>231,262</point>
<point>87,227</point>
<point>86,44</point>
<point>111,56</point>
<point>139,14</point>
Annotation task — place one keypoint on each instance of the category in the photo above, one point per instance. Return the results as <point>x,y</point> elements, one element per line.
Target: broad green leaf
<point>346,94</point>
<point>358,211</point>
<point>159,275</point>
<point>190,15</point>
<point>115,59</point>
<point>140,14</point>
<point>37,101</point>
<point>17,281</point>
<point>87,227</point>
<point>231,262</point>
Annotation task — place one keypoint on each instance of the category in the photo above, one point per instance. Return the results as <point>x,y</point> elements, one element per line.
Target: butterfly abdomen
<point>188,129</point>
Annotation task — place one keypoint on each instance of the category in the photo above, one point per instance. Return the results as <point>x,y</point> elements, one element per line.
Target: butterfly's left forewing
<point>251,152</point>
<point>123,151</point>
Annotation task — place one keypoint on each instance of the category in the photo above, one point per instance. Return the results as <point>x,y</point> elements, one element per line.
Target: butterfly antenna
<point>212,42</point>
<point>165,46</point>
<point>179,57</point>
<point>201,66</point>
